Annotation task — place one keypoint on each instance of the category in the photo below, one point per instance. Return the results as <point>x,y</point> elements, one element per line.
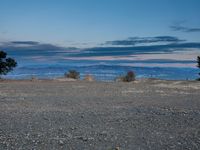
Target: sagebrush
<point>72,74</point>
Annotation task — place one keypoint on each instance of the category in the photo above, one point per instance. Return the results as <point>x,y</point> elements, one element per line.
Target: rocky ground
<point>147,114</point>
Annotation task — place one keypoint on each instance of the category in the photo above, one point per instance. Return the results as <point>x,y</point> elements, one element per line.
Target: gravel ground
<point>54,115</point>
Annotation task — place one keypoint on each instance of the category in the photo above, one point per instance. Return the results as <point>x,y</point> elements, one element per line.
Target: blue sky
<point>60,31</point>
<point>93,22</point>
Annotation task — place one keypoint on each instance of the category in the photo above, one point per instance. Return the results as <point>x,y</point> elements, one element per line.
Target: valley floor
<point>78,115</point>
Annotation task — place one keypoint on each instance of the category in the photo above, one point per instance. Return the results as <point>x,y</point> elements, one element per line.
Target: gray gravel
<point>147,114</point>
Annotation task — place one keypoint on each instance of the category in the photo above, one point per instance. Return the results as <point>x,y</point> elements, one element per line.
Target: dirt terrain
<point>144,115</point>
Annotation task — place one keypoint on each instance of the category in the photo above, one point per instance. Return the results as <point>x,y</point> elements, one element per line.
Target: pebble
<point>61,142</point>
<point>117,148</point>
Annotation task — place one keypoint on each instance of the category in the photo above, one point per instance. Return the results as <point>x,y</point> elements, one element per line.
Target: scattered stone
<point>147,121</point>
<point>61,142</point>
<point>69,136</point>
<point>104,133</point>
<point>73,128</point>
<point>91,139</point>
<point>82,138</point>
<point>45,118</point>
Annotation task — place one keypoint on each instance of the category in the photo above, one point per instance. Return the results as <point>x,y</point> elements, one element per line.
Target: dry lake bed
<point>144,115</point>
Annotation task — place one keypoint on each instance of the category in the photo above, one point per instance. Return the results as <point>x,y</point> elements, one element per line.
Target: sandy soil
<point>147,114</point>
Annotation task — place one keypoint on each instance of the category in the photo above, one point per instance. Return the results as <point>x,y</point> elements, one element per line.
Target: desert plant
<point>198,64</point>
<point>33,78</point>
<point>198,61</point>
<point>130,76</point>
<point>89,78</point>
<point>72,74</point>
<point>6,64</point>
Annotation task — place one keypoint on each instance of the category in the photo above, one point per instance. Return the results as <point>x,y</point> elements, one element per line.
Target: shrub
<point>6,64</point>
<point>198,65</point>
<point>33,78</point>
<point>72,74</point>
<point>130,76</point>
<point>89,78</point>
<point>119,79</point>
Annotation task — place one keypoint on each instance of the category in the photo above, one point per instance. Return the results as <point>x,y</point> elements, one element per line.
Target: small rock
<point>117,148</point>
<point>69,136</point>
<point>82,138</point>
<point>60,129</point>
<point>61,142</point>
<point>73,128</point>
<point>91,138</point>
<point>85,139</point>
<point>104,133</point>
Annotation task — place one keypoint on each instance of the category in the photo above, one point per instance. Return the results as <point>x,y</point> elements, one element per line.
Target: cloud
<point>49,52</point>
<point>4,32</point>
<point>184,29</point>
<point>32,49</point>
<point>144,40</point>
<point>32,45</point>
<point>25,42</point>
<point>125,51</point>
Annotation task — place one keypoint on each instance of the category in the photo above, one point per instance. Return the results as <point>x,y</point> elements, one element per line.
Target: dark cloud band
<point>25,42</point>
<point>144,40</point>
<point>184,29</point>
<point>50,50</point>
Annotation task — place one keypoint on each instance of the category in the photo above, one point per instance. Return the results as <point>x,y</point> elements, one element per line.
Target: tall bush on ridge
<point>198,64</point>
<point>6,64</point>
<point>130,76</point>
<point>72,74</point>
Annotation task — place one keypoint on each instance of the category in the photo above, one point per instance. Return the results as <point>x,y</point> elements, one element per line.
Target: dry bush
<point>33,78</point>
<point>88,78</point>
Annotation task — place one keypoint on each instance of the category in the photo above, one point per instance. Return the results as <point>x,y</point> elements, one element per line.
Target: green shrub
<point>130,76</point>
<point>198,65</point>
<point>72,74</point>
<point>6,64</point>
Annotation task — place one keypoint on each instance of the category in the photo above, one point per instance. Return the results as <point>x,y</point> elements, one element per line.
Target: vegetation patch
<point>72,74</point>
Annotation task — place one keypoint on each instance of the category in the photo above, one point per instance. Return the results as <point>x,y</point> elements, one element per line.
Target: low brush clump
<point>88,78</point>
<point>72,74</point>
<point>33,78</point>
<point>129,77</point>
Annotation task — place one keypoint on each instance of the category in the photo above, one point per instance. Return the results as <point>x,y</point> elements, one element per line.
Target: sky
<point>52,31</point>
<point>93,22</point>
